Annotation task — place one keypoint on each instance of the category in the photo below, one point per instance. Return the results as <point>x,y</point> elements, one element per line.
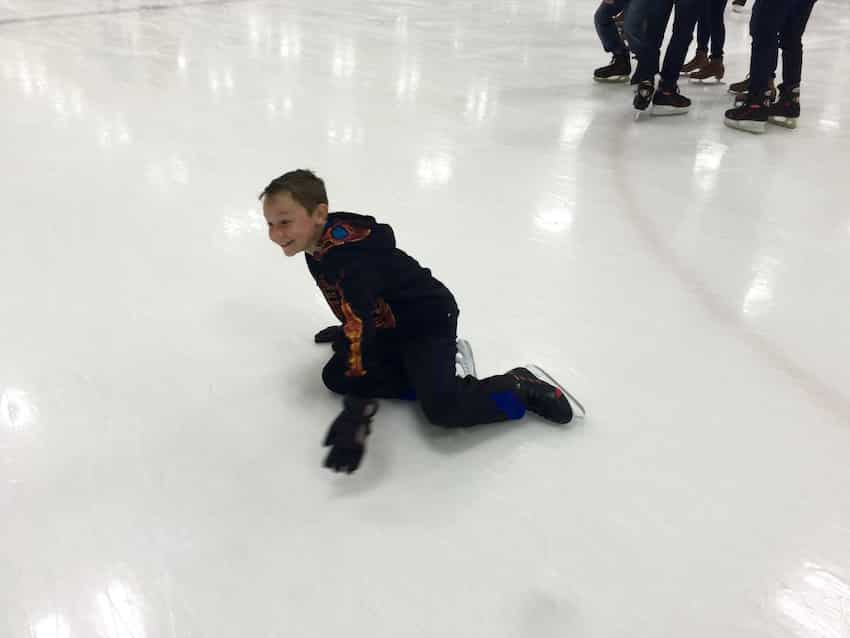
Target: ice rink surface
<point>161,410</point>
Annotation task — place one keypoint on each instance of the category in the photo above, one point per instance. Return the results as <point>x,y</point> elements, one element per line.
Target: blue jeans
<point>711,26</point>
<point>606,29</point>
<point>774,24</point>
<point>646,21</point>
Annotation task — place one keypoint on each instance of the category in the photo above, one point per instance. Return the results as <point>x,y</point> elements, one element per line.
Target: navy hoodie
<point>375,289</point>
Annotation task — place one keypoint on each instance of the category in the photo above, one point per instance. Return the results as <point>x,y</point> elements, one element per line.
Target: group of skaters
<point>637,27</point>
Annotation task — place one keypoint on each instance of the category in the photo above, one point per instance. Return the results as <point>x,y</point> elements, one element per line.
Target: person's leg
<point>606,28</point>
<point>687,12</point>
<point>791,41</point>
<point>767,19</point>
<point>644,35</point>
<point>700,58</point>
<point>717,11</point>
<point>620,67</point>
<point>704,31</point>
<point>786,110</point>
<point>452,401</point>
<point>714,69</point>
<point>385,378</point>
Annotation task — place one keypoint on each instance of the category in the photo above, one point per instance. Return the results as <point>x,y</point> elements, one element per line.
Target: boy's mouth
<point>287,244</point>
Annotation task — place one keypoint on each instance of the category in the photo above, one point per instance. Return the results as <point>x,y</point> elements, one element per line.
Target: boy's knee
<point>441,410</point>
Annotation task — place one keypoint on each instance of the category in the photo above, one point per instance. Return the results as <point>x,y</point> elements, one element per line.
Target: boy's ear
<point>320,213</point>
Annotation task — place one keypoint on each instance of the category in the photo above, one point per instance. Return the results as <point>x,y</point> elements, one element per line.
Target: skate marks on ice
<point>809,382</point>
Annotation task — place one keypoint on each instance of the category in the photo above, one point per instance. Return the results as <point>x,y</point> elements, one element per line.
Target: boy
<point>398,337</point>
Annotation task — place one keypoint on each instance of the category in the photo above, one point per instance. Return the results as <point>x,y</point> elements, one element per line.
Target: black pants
<point>712,26</point>
<point>774,24</point>
<point>423,368</point>
<point>646,21</point>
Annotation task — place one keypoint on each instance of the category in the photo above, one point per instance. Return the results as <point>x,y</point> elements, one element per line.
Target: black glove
<point>347,434</point>
<point>328,335</point>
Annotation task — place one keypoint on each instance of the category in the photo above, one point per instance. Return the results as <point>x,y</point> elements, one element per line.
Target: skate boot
<point>738,5</point>
<point>618,71</point>
<point>713,70</point>
<point>740,88</point>
<point>670,102</point>
<point>464,360</point>
<point>696,63</point>
<point>543,395</point>
<point>643,95</point>
<point>786,110</point>
<point>751,116</point>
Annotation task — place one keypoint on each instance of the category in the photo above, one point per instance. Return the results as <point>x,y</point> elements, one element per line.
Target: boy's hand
<point>328,335</point>
<point>347,434</point>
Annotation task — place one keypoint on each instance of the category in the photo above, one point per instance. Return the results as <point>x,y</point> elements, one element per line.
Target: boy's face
<point>290,225</point>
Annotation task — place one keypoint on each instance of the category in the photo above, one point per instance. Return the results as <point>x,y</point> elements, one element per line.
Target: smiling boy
<point>397,336</point>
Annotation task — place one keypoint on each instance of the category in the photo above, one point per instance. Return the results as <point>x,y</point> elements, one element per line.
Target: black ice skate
<point>670,103</point>
<point>545,396</point>
<point>643,96</point>
<point>741,89</point>
<point>751,116</point>
<point>786,110</point>
<point>618,71</point>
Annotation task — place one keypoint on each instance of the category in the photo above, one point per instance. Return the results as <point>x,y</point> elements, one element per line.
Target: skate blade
<point>614,79</point>
<point>709,80</point>
<point>663,110</point>
<point>465,359</point>
<point>578,408</point>
<point>785,122</point>
<point>749,127</point>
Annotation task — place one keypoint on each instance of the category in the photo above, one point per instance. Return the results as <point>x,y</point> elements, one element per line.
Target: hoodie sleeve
<point>358,293</point>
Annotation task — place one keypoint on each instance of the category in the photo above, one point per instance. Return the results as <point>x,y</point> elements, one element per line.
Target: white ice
<point>161,410</point>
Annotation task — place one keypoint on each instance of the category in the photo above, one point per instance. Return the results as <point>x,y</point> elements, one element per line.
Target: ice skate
<point>643,97</point>
<point>697,62</point>
<point>751,116</point>
<point>545,396</point>
<point>711,73</point>
<point>464,360</point>
<point>786,110</point>
<point>618,71</point>
<point>670,103</point>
